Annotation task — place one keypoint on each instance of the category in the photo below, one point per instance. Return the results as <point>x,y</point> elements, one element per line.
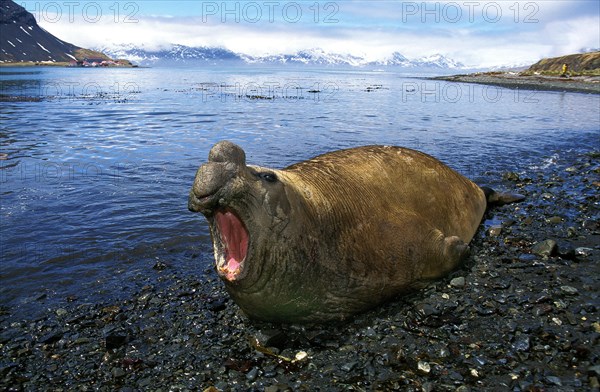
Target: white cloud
<point>373,30</point>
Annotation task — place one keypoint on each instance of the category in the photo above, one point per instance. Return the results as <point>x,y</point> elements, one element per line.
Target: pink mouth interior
<point>235,240</point>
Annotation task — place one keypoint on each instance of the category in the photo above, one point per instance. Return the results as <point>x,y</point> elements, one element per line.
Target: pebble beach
<point>513,80</point>
<point>521,314</point>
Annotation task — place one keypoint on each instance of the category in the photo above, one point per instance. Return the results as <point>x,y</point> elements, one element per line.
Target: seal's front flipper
<point>500,198</point>
<point>447,255</point>
<point>455,250</point>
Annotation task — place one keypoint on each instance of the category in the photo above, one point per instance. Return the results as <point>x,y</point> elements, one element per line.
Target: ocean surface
<point>95,171</point>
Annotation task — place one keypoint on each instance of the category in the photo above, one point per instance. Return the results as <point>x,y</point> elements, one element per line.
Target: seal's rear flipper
<point>500,198</point>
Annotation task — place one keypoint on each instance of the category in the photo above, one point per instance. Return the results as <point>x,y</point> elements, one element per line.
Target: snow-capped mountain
<point>172,54</point>
<point>315,56</point>
<point>437,61</point>
<point>396,59</point>
<point>588,50</point>
<point>515,67</point>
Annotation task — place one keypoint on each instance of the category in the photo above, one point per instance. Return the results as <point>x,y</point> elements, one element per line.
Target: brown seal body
<point>337,234</point>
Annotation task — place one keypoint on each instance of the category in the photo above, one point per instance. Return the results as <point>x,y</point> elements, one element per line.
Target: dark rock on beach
<point>516,317</point>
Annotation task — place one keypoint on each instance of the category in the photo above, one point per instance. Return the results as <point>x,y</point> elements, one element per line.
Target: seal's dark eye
<point>269,177</point>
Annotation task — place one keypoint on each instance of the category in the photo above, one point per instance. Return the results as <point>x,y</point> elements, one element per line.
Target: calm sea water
<point>94,178</point>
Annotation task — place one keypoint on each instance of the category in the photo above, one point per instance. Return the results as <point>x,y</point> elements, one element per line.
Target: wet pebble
<point>555,220</point>
<point>348,366</point>
<point>160,265</point>
<point>583,251</point>
<point>511,176</point>
<point>522,343</point>
<point>116,339</point>
<point>458,282</point>
<point>252,374</point>
<point>495,231</point>
<point>553,380</point>
<point>569,290</point>
<point>545,248</point>
<point>271,338</point>
<point>424,367</point>
<point>426,309</point>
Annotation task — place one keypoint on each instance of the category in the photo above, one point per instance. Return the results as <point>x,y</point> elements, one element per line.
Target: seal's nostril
<point>193,202</point>
<point>210,177</point>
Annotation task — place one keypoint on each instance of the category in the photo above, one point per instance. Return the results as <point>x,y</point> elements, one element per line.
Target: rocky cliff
<point>23,40</point>
<point>577,63</point>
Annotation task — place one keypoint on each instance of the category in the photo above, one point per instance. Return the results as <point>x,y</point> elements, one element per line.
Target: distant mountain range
<point>186,54</point>
<point>22,39</point>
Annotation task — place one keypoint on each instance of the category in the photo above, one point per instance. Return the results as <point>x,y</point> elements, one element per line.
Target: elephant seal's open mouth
<point>231,244</point>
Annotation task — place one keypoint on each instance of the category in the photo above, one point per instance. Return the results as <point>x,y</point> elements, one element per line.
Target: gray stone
<point>522,344</point>
<point>569,290</point>
<point>511,176</point>
<point>554,380</point>
<point>555,220</point>
<point>545,248</point>
<point>458,282</point>
<point>252,374</point>
<point>495,231</point>
<point>271,338</point>
<point>583,251</point>
<point>424,367</point>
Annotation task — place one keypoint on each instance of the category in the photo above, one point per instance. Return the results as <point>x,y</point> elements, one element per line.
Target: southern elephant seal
<point>335,235</point>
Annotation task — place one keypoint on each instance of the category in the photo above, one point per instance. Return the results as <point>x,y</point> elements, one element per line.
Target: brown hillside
<point>576,62</point>
<point>82,54</point>
<point>24,41</point>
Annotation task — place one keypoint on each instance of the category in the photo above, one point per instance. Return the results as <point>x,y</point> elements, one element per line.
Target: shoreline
<point>521,314</point>
<point>65,64</point>
<point>577,84</point>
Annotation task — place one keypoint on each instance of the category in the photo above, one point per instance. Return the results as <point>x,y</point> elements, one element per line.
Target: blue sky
<point>478,33</point>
